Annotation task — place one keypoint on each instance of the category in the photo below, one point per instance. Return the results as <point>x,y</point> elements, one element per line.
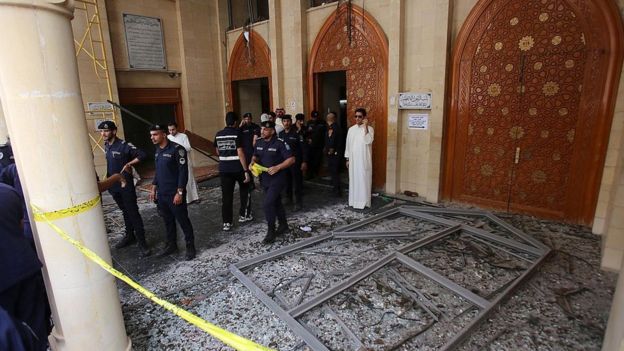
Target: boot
<point>169,249</point>
<point>145,251</point>
<point>127,240</point>
<point>270,236</point>
<point>282,228</point>
<point>190,251</point>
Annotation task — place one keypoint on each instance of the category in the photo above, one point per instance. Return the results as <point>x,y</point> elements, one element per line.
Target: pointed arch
<point>249,60</point>
<point>591,36</point>
<point>364,57</point>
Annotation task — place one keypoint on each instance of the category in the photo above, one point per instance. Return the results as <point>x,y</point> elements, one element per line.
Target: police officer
<point>333,147</point>
<point>294,176</point>
<point>300,125</point>
<point>169,189</point>
<point>233,168</point>
<point>274,154</point>
<point>316,139</point>
<point>10,177</point>
<point>6,155</point>
<point>120,157</point>
<point>250,132</point>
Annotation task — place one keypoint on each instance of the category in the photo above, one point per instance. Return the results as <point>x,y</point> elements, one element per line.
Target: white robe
<point>191,185</point>
<point>359,153</point>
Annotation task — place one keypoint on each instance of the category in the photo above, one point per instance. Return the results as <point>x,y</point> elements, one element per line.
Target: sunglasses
<point>359,116</point>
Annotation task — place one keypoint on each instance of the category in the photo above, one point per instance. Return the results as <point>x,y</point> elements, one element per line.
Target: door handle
<point>517,158</point>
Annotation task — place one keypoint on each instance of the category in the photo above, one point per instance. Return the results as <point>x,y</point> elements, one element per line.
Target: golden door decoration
<point>530,78</point>
<point>364,58</point>
<point>249,60</point>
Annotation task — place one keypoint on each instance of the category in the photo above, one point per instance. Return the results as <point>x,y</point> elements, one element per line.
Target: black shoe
<point>190,251</point>
<point>126,241</point>
<point>168,250</point>
<point>145,251</point>
<point>270,236</point>
<point>282,228</point>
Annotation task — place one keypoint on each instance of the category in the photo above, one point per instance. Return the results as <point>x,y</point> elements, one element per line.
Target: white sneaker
<point>227,227</point>
<point>243,219</point>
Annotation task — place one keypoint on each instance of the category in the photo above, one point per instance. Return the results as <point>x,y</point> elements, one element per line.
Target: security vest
<point>227,142</point>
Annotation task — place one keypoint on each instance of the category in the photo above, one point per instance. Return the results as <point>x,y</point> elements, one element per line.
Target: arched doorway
<point>533,91</point>
<point>352,42</point>
<point>249,76</point>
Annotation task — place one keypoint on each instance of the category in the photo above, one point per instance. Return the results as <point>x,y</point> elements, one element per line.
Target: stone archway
<point>250,59</point>
<point>361,50</point>
<point>532,98</point>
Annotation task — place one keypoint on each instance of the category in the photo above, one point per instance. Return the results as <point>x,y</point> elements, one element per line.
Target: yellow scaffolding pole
<point>92,44</point>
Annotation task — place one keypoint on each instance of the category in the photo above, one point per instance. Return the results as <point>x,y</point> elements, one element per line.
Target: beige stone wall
<point>165,10</point>
<point>609,219</point>
<point>93,83</point>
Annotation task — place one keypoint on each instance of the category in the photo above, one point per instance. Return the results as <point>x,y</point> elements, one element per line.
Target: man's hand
<point>331,151</point>
<point>365,122</point>
<point>304,167</point>
<point>273,170</point>
<point>152,194</point>
<point>247,177</point>
<point>177,199</point>
<point>127,168</point>
<point>347,163</point>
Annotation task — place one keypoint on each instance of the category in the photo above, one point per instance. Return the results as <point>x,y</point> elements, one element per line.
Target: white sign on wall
<point>415,101</point>
<point>95,107</point>
<point>144,40</point>
<point>418,121</point>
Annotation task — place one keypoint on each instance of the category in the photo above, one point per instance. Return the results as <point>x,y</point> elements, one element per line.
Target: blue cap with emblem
<point>107,125</point>
<point>160,127</point>
<point>268,124</point>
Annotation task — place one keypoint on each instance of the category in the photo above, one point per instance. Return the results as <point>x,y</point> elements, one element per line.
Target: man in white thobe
<point>182,139</point>
<point>358,152</point>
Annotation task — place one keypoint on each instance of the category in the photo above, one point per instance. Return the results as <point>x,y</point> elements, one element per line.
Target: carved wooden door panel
<point>357,46</point>
<point>529,83</point>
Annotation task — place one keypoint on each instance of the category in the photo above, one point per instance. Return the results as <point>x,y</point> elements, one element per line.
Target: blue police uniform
<point>10,336</point>
<point>333,150</point>
<point>248,132</point>
<point>10,177</point>
<point>271,153</point>
<point>171,175</point>
<point>22,293</point>
<point>231,172</point>
<point>118,154</point>
<point>294,176</point>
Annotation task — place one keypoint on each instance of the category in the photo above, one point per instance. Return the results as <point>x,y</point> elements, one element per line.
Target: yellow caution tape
<point>68,212</point>
<point>228,338</point>
<point>257,169</point>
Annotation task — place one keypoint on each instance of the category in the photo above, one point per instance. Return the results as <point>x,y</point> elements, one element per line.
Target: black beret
<point>107,125</point>
<point>160,127</point>
<point>247,114</point>
<point>268,124</point>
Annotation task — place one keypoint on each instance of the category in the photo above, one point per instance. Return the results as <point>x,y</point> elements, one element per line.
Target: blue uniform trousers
<point>294,179</point>
<point>272,203</point>
<point>171,213</point>
<point>26,302</point>
<point>127,202</point>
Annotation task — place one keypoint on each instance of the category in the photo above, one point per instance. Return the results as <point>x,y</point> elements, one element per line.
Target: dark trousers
<point>26,302</point>
<point>171,213</point>
<point>315,157</point>
<point>272,204</point>
<point>127,202</point>
<point>294,179</point>
<point>333,166</point>
<point>228,182</point>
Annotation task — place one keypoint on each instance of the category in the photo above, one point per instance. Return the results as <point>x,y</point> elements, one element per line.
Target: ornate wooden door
<point>355,44</point>
<point>529,79</point>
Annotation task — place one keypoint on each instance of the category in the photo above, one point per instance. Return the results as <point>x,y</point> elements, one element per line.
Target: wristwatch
<point>180,192</point>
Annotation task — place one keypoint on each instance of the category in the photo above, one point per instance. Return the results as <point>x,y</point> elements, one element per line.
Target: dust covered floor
<point>563,306</point>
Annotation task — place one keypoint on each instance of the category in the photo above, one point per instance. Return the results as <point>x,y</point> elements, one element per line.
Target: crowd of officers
<point>285,151</point>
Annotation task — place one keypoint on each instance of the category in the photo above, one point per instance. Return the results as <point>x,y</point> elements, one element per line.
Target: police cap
<point>247,114</point>
<point>160,127</point>
<point>268,124</point>
<point>314,114</point>
<point>299,117</point>
<point>107,125</point>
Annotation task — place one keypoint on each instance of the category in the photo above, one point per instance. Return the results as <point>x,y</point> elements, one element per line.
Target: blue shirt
<point>117,155</point>
<point>271,153</point>
<point>296,142</point>
<point>18,259</point>
<point>247,135</point>
<point>10,177</point>
<point>6,156</point>
<point>171,169</point>
<point>227,141</point>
